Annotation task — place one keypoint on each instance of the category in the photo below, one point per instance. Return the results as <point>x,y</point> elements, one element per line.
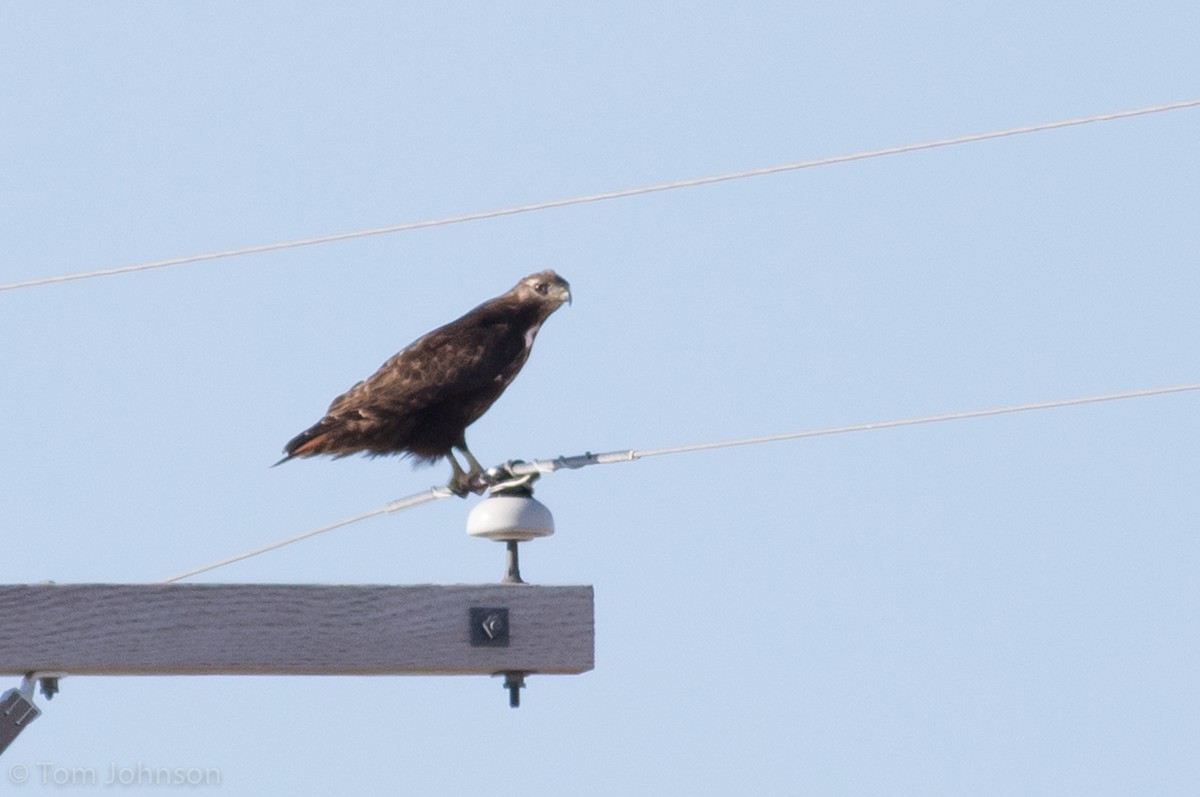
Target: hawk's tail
<point>306,444</point>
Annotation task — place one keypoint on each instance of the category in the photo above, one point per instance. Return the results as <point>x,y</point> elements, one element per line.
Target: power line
<point>604,195</point>
<point>631,454</point>
<point>949,416</point>
<point>394,506</point>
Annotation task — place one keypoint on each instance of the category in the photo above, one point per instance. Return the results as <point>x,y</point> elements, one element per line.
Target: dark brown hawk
<point>421,401</point>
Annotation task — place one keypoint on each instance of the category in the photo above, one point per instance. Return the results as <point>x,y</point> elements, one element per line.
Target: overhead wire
<point>948,416</point>
<point>519,468</point>
<point>431,494</point>
<point>604,195</point>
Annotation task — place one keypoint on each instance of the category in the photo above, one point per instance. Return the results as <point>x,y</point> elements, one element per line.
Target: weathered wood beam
<point>280,629</point>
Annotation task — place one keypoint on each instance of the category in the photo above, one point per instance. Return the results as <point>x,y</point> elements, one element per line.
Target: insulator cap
<point>510,517</point>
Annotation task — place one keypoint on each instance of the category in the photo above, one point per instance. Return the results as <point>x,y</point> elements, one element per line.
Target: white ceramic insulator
<point>510,517</point>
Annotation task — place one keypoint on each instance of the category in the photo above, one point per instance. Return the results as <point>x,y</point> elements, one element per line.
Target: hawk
<point>421,401</point>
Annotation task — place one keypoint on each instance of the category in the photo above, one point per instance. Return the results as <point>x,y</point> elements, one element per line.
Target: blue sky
<point>994,606</point>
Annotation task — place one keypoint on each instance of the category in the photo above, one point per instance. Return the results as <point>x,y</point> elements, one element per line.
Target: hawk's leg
<point>469,482</point>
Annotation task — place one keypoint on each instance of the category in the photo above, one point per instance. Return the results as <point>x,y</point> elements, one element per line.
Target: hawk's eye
<point>541,288</point>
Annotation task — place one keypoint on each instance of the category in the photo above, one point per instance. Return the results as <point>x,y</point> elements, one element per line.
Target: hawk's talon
<point>463,483</point>
<point>459,488</point>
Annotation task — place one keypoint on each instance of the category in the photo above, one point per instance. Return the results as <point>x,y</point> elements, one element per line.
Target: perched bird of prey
<point>421,401</point>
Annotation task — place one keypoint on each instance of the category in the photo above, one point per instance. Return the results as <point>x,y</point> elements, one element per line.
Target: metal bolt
<point>514,682</point>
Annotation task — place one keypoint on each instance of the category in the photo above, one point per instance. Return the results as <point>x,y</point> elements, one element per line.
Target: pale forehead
<point>541,276</point>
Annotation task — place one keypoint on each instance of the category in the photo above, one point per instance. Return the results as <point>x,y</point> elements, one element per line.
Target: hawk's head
<point>544,288</point>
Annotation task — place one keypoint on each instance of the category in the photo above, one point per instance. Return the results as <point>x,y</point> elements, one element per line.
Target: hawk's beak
<point>564,294</point>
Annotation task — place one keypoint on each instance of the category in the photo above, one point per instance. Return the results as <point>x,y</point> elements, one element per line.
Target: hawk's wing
<point>448,362</point>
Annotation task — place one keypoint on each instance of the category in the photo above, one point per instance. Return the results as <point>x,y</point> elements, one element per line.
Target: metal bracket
<point>502,481</point>
<point>17,711</point>
<point>489,627</point>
